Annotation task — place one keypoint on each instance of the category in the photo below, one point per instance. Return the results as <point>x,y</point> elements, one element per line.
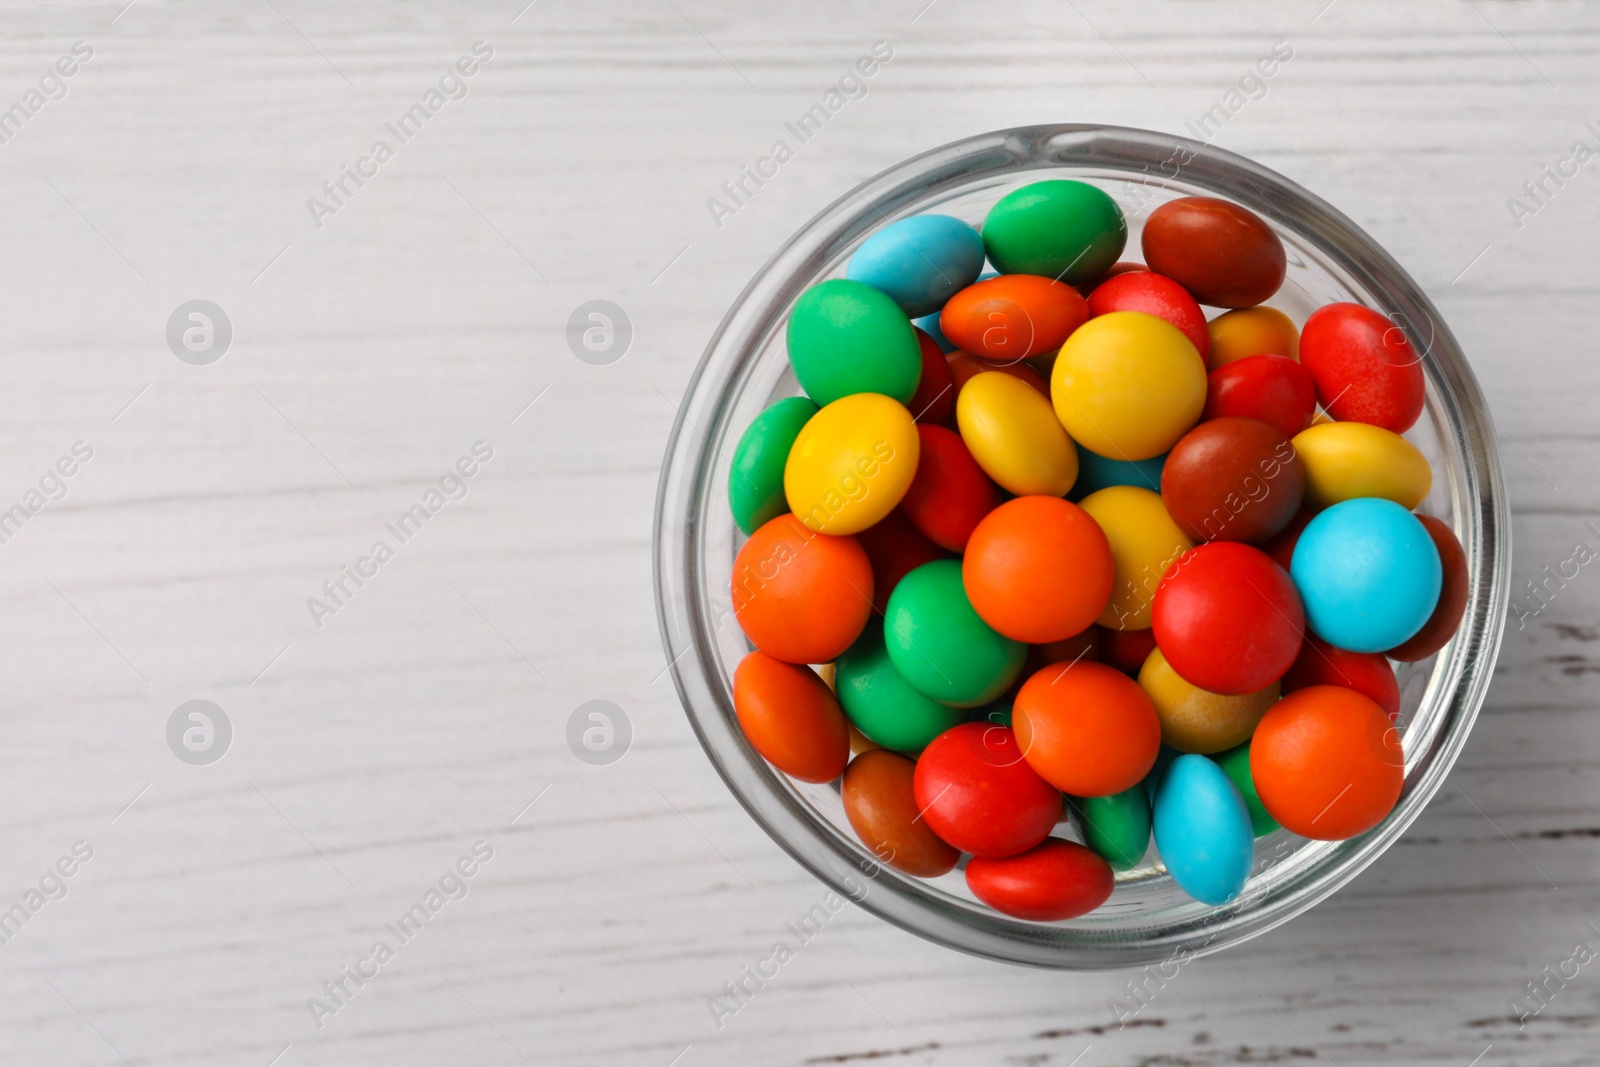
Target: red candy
<point>1274,389</point>
<point>977,792</point>
<point>964,367</point>
<point>950,494</point>
<point>895,548</point>
<point>1368,673</point>
<point>1013,316</point>
<point>935,398</point>
<point>1281,547</point>
<point>1154,294</point>
<point>1055,880</point>
<point>1228,619</point>
<point>1446,617</point>
<point>1364,367</point>
<point>1232,479</point>
<point>1126,650</point>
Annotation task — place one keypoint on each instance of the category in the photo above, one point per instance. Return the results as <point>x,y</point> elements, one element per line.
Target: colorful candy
<point>1084,668</point>
<point>1224,255</point>
<point>1127,385</point>
<point>1369,573</point>
<point>1038,569</point>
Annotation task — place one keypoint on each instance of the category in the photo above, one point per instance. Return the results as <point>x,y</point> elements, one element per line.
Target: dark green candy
<point>1117,827</point>
<point>845,337</point>
<point>1164,758</point>
<point>755,480</point>
<point>1066,230</point>
<point>882,704</point>
<point>1236,765</point>
<point>939,644</point>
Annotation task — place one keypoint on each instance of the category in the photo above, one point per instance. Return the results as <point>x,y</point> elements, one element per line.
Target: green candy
<point>1065,230</point>
<point>1117,827</point>
<point>1235,764</point>
<point>939,644</point>
<point>755,480</point>
<point>882,704</point>
<point>845,337</point>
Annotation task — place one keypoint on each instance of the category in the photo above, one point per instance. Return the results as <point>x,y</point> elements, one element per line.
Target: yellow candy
<point>851,464</point>
<point>1195,719</point>
<point>1344,460</point>
<point>1251,332</point>
<point>1127,385</point>
<point>1012,433</point>
<point>1144,543</point>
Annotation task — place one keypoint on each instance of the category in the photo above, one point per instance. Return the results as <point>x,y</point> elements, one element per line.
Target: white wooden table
<point>425,314</point>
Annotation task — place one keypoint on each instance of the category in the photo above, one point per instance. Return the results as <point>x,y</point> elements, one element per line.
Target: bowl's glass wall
<point>746,369</point>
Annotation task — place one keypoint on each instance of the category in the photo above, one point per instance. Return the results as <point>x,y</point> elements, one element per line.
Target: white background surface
<point>370,753</point>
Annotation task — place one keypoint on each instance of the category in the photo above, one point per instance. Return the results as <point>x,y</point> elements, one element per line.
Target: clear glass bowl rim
<point>684,613</point>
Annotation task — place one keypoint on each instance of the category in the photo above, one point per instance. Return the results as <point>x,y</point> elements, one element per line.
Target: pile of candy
<point>1063,553</point>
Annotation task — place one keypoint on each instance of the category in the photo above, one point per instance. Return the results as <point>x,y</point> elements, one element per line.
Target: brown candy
<point>1232,479</point>
<point>1223,254</point>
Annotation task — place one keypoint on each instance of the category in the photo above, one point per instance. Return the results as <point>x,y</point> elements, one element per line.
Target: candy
<point>1364,367</point>
<point>1080,646</point>
<point>1368,673</point>
<point>1061,229</point>
<point>1274,389</point>
<point>950,494</point>
<point>935,398</point>
<point>1326,763</point>
<point>1446,617</point>
<point>1227,618</point>
<point>1281,547</point>
<point>1232,479</point>
<point>1251,331</point>
<point>1127,385</point>
<point>1053,881</point>
<point>1126,650</point>
<point>1347,460</point>
<point>1116,827</point>
<point>976,791</point>
<point>799,596</point>
<point>1088,729</point>
<point>1014,436</point>
<point>1144,543</point>
<point>1222,253</point>
<point>1196,720</point>
<point>1202,829</point>
<point>1038,569</point>
<point>939,644</point>
<point>963,368</point>
<point>1369,573</point>
<point>920,262</point>
<point>880,802</point>
<point>1235,763</point>
<point>845,337</point>
<point>1012,317</point>
<point>755,477</point>
<point>1157,295</point>
<point>851,464</point>
<point>790,717</point>
<point>882,704</point>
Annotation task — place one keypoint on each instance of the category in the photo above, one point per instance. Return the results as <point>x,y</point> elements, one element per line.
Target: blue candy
<point>1096,472</point>
<point>929,324</point>
<point>920,262</point>
<point>1368,573</point>
<point>1202,830</point>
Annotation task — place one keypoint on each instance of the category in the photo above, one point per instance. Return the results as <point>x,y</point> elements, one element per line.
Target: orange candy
<point>801,596</point>
<point>791,718</point>
<point>1012,317</point>
<point>1326,763</point>
<point>1086,728</point>
<point>1038,569</point>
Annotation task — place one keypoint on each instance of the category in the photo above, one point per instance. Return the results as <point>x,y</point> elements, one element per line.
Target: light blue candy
<point>1368,573</point>
<point>1097,472</point>
<point>1202,830</point>
<point>920,262</point>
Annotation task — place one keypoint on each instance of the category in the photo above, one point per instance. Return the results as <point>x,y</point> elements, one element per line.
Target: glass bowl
<point>744,369</point>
